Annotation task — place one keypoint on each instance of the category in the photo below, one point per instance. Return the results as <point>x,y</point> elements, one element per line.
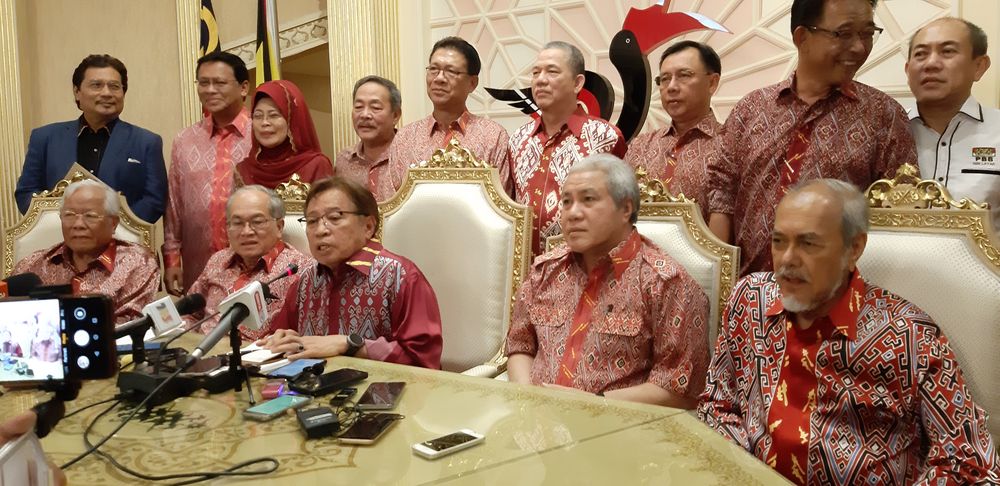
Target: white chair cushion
<point>464,247</point>
<point>294,234</point>
<point>942,275</point>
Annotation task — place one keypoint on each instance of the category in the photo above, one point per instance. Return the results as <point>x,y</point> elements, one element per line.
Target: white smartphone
<point>454,442</point>
<point>272,408</point>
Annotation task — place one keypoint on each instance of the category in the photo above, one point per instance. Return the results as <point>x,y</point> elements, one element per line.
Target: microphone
<point>246,306</point>
<point>163,314</point>
<point>22,284</point>
<point>290,270</point>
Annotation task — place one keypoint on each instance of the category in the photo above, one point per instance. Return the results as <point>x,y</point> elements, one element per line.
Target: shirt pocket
<point>625,324</point>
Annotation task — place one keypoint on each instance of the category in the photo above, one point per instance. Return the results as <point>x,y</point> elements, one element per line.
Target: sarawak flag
<point>209,30</point>
<point>267,51</point>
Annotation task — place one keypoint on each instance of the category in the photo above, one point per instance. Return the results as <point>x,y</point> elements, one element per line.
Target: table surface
<point>534,435</point>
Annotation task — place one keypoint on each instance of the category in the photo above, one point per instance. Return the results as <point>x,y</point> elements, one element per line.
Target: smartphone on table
<point>454,442</point>
<point>273,408</point>
<point>368,428</point>
<point>381,396</point>
<point>311,384</point>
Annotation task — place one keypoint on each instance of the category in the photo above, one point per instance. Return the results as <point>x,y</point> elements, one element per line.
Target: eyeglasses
<point>270,117</point>
<point>113,86</point>
<point>256,224</point>
<point>217,83</point>
<point>683,76</point>
<point>331,219</point>
<point>866,36</point>
<point>90,218</point>
<point>433,71</point>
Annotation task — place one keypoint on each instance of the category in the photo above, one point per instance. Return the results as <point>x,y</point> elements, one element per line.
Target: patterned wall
<point>509,33</point>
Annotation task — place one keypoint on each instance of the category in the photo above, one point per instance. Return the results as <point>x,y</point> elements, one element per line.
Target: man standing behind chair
<point>957,137</point>
<point>831,380</point>
<point>609,312</point>
<point>255,217</point>
<point>122,155</point>
<point>452,75</point>
<point>377,108</point>
<point>91,258</point>
<point>543,150</point>
<point>679,154</point>
<point>817,123</point>
<point>201,170</point>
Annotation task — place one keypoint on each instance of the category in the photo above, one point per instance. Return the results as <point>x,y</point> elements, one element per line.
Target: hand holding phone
<point>448,444</point>
<point>272,408</point>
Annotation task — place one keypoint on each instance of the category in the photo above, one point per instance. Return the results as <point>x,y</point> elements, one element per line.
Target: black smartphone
<point>381,396</point>
<point>342,396</point>
<point>368,428</point>
<point>55,339</point>
<point>311,384</point>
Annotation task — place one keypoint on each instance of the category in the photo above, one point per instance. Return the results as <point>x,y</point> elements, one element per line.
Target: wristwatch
<point>354,343</point>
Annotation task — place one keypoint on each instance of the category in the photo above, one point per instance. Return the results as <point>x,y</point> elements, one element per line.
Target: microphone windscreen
<point>22,284</point>
<point>190,304</point>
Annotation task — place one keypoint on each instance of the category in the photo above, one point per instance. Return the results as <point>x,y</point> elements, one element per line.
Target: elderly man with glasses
<point>254,220</point>
<point>91,259</point>
<point>359,299</point>
<point>818,123</point>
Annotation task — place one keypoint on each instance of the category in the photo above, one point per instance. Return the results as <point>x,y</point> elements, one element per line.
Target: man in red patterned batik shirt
<point>817,123</point>
<point>679,154</point>
<point>377,108</point>
<point>359,299</point>
<point>609,312</point>
<point>452,75</point>
<point>201,171</point>
<point>91,258</point>
<point>543,150</point>
<point>832,380</point>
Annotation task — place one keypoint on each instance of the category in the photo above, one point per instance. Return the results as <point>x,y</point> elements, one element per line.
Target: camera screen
<point>448,441</point>
<point>30,347</point>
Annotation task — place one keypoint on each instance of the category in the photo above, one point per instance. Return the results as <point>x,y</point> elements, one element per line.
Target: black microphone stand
<point>237,372</point>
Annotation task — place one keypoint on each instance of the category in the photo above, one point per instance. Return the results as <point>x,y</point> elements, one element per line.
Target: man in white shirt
<point>957,137</point>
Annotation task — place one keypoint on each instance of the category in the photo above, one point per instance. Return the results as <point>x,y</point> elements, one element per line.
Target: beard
<point>795,305</point>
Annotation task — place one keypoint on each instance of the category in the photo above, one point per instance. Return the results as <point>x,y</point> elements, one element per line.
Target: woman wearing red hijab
<point>284,139</point>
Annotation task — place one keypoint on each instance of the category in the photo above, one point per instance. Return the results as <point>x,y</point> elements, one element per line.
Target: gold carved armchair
<point>293,193</point>
<point>941,254</point>
<point>453,219</point>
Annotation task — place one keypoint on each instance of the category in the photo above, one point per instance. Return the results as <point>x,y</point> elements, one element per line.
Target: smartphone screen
<point>369,427</point>
<point>274,407</point>
<point>381,395</point>
<point>448,441</point>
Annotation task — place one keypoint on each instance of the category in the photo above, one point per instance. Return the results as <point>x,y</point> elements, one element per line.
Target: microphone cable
<point>159,356</point>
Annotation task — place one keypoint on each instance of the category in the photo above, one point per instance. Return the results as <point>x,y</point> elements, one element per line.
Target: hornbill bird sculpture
<point>642,31</point>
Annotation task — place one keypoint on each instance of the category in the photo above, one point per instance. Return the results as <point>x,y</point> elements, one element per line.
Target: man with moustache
<point>201,170</point>
<point>817,123</point>
<point>832,380</point>
<point>377,109</point>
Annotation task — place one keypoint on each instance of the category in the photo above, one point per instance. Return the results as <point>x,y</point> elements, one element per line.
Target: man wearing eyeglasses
<point>91,259</point>
<point>255,217</point>
<point>122,155</point>
<point>452,75</point>
<point>359,299</point>
<point>678,154</point>
<point>201,170</point>
<point>818,123</point>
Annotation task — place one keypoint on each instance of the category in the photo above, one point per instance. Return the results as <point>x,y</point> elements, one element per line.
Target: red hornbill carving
<point>642,31</point>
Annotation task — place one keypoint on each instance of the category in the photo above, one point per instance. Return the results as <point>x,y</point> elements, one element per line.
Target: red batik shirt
<point>226,273</point>
<point>374,175</point>
<point>541,163</point>
<point>891,405</point>
<point>417,141</point>
<point>200,181</point>
<point>681,162</point>
<point>376,294</point>
<point>125,272</point>
<point>857,134</point>
<point>647,325</point>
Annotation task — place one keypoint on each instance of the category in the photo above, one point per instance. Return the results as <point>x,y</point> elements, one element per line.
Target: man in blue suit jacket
<point>126,157</point>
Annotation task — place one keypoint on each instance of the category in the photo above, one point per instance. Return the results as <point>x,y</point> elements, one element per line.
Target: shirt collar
<point>109,126</point>
<point>619,258</point>
<point>268,258</point>
<point>787,87</point>
<point>970,108</point>
<point>356,154</point>
<point>708,125</point>
<point>462,124</point>
<point>574,122</point>
<point>62,253</point>
<point>241,124</point>
<point>844,314</point>
<point>362,260</point>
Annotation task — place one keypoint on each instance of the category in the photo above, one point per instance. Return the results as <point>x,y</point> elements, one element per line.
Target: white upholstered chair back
<point>453,219</point>
<point>40,226</point>
<point>293,193</point>
<point>675,224</point>
<point>938,254</point>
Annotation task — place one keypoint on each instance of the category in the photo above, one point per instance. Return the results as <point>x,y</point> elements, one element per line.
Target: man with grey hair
<point>378,107</point>
<point>544,149</point>
<point>452,74</point>
<point>957,137</point>
<point>609,312</point>
<point>814,365</point>
<point>254,220</point>
<point>91,259</point>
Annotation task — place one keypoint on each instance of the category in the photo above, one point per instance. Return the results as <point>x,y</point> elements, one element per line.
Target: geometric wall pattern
<point>759,51</point>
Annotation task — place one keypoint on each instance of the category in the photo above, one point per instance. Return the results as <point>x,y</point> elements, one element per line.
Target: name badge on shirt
<point>984,155</point>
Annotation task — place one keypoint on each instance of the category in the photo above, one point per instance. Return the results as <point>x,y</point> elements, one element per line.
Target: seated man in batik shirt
<point>91,258</point>
<point>609,312</point>
<point>254,220</point>
<point>359,299</point>
<point>832,380</point>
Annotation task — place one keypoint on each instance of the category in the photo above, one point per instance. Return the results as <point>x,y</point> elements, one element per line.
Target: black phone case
<point>335,380</point>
